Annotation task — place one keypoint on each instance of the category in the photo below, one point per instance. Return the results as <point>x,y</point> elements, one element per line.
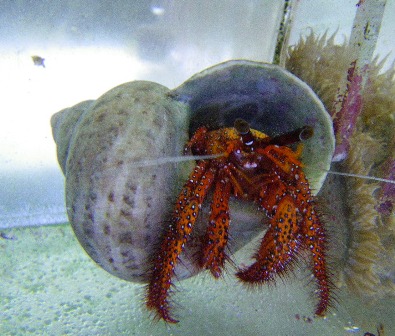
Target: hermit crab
<point>244,123</point>
<point>247,165</point>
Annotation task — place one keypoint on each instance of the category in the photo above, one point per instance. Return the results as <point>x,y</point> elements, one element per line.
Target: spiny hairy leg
<point>216,238</point>
<point>198,137</point>
<point>314,235</point>
<point>184,216</point>
<point>315,240</point>
<point>279,246</point>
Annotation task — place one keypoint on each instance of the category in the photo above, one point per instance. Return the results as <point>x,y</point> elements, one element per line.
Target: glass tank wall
<point>55,54</point>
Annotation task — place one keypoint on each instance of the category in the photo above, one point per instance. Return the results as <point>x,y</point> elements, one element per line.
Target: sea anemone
<point>366,264</point>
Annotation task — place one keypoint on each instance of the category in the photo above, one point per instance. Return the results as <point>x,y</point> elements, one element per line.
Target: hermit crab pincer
<point>119,205</point>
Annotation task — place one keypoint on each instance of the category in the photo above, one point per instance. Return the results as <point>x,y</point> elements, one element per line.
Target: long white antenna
<point>366,177</point>
<point>164,160</point>
<point>175,159</point>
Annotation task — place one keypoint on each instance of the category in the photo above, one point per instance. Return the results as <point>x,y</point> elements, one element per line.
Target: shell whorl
<point>63,124</point>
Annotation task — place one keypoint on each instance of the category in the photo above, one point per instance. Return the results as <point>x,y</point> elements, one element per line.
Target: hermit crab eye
<point>243,128</point>
<point>300,134</point>
<point>306,132</point>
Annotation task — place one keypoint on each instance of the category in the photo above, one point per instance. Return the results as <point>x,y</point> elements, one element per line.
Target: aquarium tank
<point>123,121</point>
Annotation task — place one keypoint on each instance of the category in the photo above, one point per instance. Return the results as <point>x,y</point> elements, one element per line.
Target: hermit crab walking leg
<point>279,246</point>
<point>216,239</point>
<point>184,216</point>
<point>316,242</point>
<point>294,225</point>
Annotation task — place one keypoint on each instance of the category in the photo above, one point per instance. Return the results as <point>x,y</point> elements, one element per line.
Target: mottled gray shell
<point>270,98</point>
<point>116,207</point>
<point>119,197</point>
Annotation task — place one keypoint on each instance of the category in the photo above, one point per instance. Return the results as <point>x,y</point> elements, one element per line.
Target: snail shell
<point>119,200</point>
<point>115,207</point>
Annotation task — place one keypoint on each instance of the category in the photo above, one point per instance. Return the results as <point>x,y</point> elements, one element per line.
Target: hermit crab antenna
<point>243,128</point>
<point>300,134</point>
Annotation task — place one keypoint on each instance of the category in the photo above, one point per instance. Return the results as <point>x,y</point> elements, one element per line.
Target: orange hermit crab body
<point>247,165</point>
